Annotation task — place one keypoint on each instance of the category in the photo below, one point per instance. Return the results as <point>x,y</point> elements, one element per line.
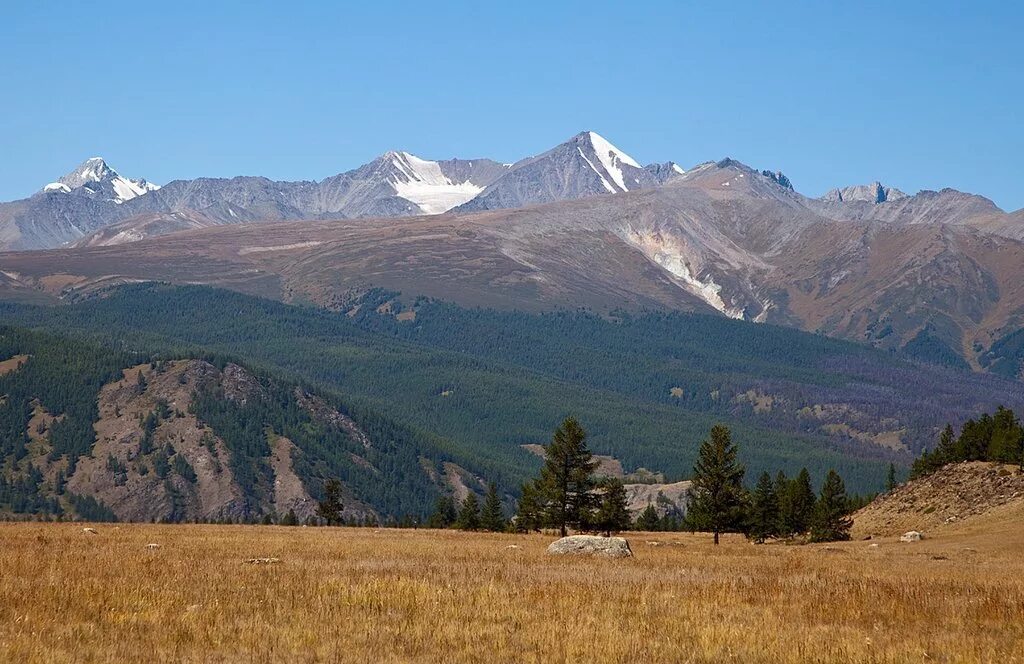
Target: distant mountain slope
<point>721,238</point>
<point>647,388</point>
<point>99,434</point>
<point>585,165</point>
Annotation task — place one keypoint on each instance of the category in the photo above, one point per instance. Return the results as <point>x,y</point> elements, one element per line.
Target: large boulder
<point>591,545</point>
<point>911,536</point>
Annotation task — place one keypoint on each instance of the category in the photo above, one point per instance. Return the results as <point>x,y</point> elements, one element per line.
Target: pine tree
<point>831,521</point>
<point>716,497</point>
<point>529,517</point>
<point>890,480</point>
<point>492,517</point>
<point>469,513</point>
<point>764,510</point>
<point>797,505</point>
<point>329,509</point>
<point>566,481</point>
<point>613,511</point>
<point>648,519</point>
<point>290,519</point>
<point>444,513</point>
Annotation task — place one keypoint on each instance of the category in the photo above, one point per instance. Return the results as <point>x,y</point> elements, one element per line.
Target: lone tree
<point>469,513</point>
<point>764,510</point>
<point>492,517</point>
<point>716,497</point>
<point>796,505</point>
<point>890,479</point>
<point>529,515</point>
<point>444,513</point>
<point>831,521</point>
<point>613,512</point>
<point>648,519</point>
<point>329,509</point>
<point>566,483</point>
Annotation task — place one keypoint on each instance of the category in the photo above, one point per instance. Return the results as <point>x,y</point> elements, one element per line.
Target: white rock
<point>591,545</point>
<point>152,546</point>
<point>90,531</point>
<point>911,536</point>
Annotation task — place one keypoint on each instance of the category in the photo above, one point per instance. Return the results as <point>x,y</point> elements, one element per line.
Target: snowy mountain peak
<point>424,183</point>
<point>604,148</point>
<point>94,178</point>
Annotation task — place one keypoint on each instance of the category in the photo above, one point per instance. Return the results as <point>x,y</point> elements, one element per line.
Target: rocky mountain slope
<point>958,493</point>
<point>395,184</point>
<point>188,439</point>
<point>720,238</point>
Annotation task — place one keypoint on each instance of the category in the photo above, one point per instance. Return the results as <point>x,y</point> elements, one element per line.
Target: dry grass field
<point>402,595</point>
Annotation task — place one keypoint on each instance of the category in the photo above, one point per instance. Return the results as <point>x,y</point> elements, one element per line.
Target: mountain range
<point>935,274</point>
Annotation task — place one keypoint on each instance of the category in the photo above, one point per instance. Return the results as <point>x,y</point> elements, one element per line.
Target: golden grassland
<point>342,594</point>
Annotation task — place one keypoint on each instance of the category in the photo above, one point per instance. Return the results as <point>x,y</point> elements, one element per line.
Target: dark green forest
<point>479,383</point>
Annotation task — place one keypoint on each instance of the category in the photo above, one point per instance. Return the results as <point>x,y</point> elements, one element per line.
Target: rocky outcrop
<point>591,545</point>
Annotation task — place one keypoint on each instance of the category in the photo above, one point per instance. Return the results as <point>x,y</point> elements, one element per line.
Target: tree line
<point>997,438</point>
<point>568,495</point>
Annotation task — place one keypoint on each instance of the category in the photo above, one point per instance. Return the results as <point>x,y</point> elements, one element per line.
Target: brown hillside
<point>962,492</point>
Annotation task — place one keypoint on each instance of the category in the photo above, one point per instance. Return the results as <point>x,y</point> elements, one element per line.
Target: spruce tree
<point>797,505</point>
<point>764,510</point>
<point>444,513</point>
<point>469,513</point>
<point>831,521</point>
<point>290,519</point>
<point>529,516</point>
<point>648,519</point>
<point>716,497</point>
<point>566,481</point>
<point>890,480</point>
<point>613,511</point>
<point>329,509</point>
<point>492,517</point>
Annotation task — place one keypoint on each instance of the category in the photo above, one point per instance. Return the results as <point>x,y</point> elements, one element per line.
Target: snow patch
<point>678,169</point>
<point>57,186</point>
<point>422,182</point>
<point>611,159</point>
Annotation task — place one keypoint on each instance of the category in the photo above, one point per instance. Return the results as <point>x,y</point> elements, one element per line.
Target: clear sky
<point>916,94</point>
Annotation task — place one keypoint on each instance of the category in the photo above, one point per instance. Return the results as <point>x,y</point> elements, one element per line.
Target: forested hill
<point>98,433</point>
<point>646,387</point>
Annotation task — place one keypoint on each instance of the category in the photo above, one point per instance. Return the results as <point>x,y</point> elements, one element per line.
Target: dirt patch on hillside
<point>954,494</point>
<point>12,364</point>
<point>128,476</point>
<point>289,493</point>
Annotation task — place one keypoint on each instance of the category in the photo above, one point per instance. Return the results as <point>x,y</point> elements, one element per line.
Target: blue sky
<point>916,94</point>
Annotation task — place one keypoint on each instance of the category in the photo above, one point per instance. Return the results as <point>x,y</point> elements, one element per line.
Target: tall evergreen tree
<point>764,510</point>
<point>797,505</point>
<point>613,512</point>
<point>329,509</point>
<point>444,513</point>
<point>492,517</point>
<point>831,521</point>
<point>529,514</point>
<point>648,519</point>
<point>716,498</point>
<point>890,479</point>
<point>566,481</point>
<point>469,513</point>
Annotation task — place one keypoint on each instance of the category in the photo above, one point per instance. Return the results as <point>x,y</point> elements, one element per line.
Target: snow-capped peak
<point>611,159</point>
<point>99,179</point>
<point>425,184</point>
